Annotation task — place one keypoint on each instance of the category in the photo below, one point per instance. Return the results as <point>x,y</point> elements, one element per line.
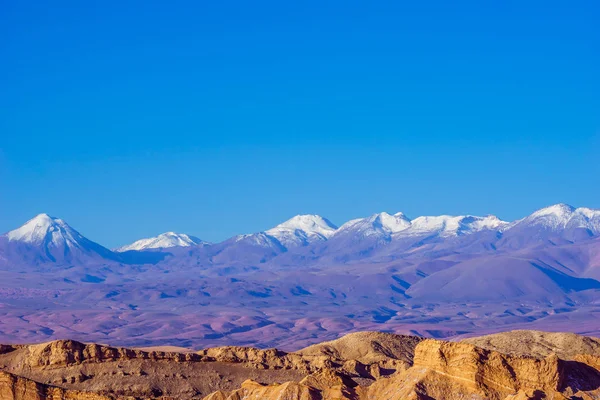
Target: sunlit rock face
<point>358,366</point>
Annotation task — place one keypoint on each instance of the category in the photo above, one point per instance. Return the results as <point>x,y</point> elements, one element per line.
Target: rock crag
<point>361,366</point>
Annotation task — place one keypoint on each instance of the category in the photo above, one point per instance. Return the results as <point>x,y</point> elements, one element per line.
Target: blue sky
<point>128,119</point>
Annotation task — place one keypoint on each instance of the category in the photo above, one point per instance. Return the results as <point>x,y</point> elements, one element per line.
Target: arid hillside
<point>359,366</point>
<point>305,281</point>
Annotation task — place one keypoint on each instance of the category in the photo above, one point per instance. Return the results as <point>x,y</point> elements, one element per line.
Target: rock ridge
<point>359,366</point>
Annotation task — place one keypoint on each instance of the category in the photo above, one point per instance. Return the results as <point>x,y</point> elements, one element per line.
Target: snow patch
<point>163,241</point>
<point>562,216</point>
<point>446,225</point>
<point>382,224</point>
<point>302,230</point>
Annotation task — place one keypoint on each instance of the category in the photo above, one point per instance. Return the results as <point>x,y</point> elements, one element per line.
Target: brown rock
<point>538,344</point>
<point>363,366</point>
<point>13,387</point>
<point>367,347</point>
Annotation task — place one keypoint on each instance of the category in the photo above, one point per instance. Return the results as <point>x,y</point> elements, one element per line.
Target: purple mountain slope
<point>361,238</point>
<point>306,281</point>
<point>500,278</point>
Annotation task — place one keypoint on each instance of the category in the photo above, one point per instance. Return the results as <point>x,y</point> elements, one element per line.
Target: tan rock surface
<point>14,387</point>
<point>122,372</point>
<point>538,344</point>
<point>362,366</point>
<point>453,371</point>
<point>367,347</point>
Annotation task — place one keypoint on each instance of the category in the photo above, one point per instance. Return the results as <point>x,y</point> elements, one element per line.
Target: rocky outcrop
<point>326,384</point>
<point>471,370</point>
<point>451,371</point>
<point>70,352</point>
<point>14,387</point>
<point>122,373</point>
<point>445,370</point>
<point>254,390</point>
<point>538,344</point>
<point>362,354</point>
<point>364,366</point>
<point>269,358</point>
<point>367,348</point>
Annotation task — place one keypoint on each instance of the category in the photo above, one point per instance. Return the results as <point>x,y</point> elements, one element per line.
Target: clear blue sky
<point>132,118</point>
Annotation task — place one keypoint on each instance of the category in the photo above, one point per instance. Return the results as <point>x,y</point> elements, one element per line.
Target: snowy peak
<point>384,224</point>
<point>44,229</point>
<point>163,241</point>
<point>381,224</point>
<point>560,217</point>
<point>52,239</point>
<point>559,211</point>
<point>446,225</point>
<point>487,222</point>
<point>302,230</point>
<point>309,223</point>
<point>390,223</point>
<point>589,213</point>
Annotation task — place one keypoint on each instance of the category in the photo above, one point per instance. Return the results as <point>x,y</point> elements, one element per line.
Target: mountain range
<point>53,240</point>
<point>306,279</point>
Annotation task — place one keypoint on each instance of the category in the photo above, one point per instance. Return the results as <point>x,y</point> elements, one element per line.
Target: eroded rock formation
<point>360,366</point>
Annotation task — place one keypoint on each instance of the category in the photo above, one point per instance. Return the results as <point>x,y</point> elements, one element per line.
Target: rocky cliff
<point>360,366</point>
<point>446,370</point>
<point>14,387</point>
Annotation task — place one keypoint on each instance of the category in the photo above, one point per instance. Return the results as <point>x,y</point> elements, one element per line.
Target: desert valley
<point>382,307</point>
<point>298,200</point>
<point>305,281</point>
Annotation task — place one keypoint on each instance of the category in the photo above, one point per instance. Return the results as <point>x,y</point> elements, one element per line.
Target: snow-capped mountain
<point>561,217</point>
<point>302,230</point>
<point>557,224</point>
<point>383,269</point>
<point>361,237</point>
<point>46,230</point>
<point>163,241</point>
<point>314,239</point>
<point>446,225</point>
<point>398,225</point>
<point>391,236</point>
<point>377,225</point>
<point>45,238</point>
